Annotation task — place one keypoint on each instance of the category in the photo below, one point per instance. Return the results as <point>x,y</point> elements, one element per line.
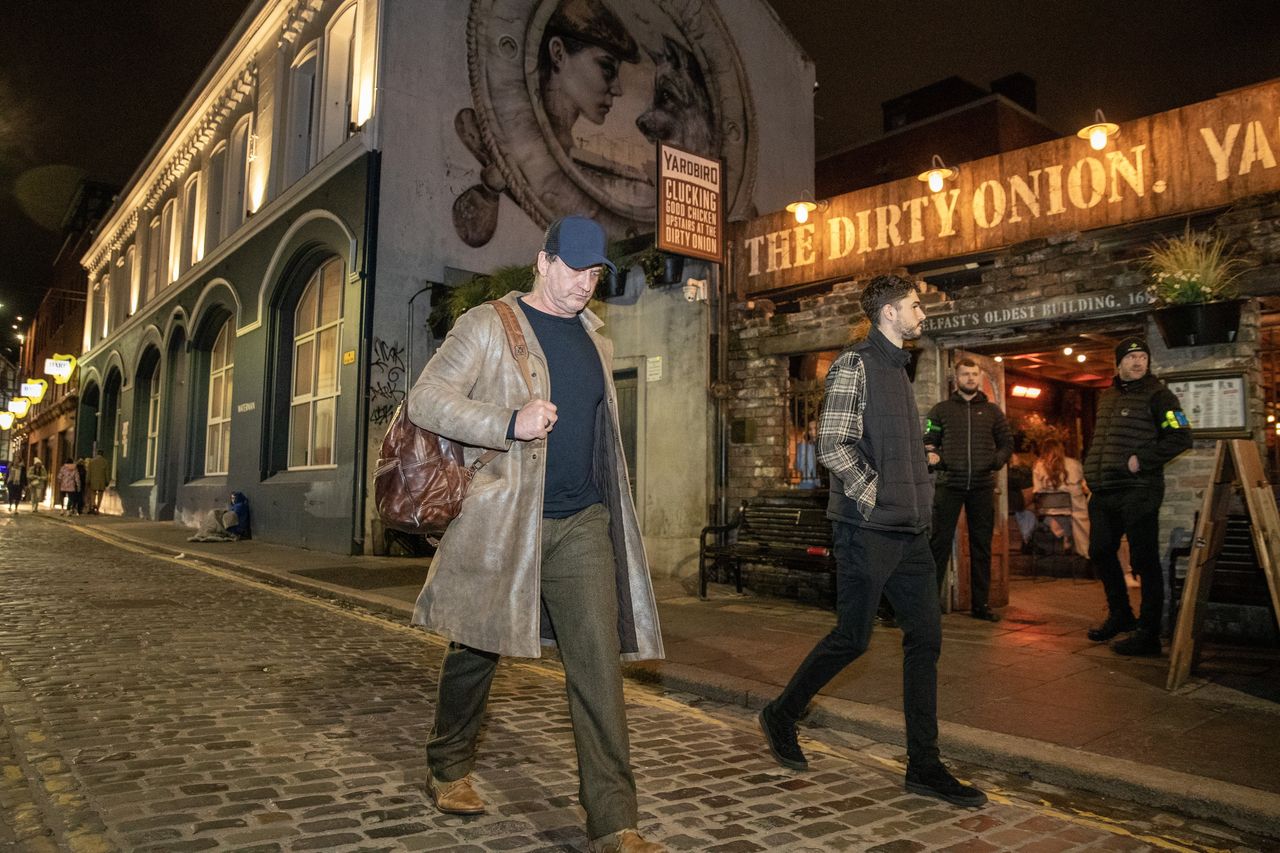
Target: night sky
<point>86,86</point>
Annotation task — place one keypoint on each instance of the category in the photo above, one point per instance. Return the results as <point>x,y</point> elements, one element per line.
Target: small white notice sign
<point>653,368</point>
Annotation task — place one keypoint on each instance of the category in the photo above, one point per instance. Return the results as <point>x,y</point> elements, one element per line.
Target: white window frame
<point>189,239</point>
<point>311,398</point>
<point>153,260</point>
<point>236,195</point>
<point>153,424</point>
<point>134,277</point>
<point>169,242</point>
<point>106,305</point>
<point>219,422</point>
<point>338,77</point>
<point>215,196</point>
<point>300,147</point>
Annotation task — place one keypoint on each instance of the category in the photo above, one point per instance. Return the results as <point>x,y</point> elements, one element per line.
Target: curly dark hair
<point>884,290</point>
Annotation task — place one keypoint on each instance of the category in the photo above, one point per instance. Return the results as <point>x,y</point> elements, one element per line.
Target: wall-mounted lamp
<point>937,174</point>
<point>1099,132</point>
<point>1029,391</point>
<point>805,206</point>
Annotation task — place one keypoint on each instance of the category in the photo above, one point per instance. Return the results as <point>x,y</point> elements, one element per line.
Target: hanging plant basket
<point>1199,323</point>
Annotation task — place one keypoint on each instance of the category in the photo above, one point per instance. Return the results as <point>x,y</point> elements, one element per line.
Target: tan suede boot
<point>625,841</point>
<point>457,797</point>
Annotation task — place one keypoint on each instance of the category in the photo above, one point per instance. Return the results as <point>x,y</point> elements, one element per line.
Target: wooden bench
<point>781,530</point>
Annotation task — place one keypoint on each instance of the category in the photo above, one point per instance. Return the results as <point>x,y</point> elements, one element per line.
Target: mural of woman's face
<point>588,78</point>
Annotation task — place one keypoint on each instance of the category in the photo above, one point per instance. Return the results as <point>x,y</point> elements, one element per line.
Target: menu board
<point>1212,402</point>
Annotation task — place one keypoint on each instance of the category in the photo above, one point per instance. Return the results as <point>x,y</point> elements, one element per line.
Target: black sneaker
<point>1117,623</point>
<point>1141,643</point>
<point>986,614</point>
<point>781,737</point>
<point>937,781</point>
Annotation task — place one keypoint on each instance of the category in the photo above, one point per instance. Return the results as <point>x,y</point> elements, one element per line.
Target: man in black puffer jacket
<point>968,441</point>
<point>1140,427</point>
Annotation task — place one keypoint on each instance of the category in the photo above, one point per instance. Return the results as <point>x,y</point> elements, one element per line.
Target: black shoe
<point>937,781</point>
<point>1141,643</point>
<point>781,737</point>
<point>984,613</point>
<point>1117,623</point>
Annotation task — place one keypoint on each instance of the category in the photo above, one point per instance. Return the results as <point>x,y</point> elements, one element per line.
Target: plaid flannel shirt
<point>840,429</point>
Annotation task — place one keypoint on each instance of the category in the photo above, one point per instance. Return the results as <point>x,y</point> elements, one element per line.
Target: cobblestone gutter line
<point>42,807</point>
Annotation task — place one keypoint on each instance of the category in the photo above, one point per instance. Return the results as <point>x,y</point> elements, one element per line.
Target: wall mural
<point>570,98</point>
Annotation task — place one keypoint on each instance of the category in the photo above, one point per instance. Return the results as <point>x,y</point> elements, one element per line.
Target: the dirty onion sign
<point>1197,157</point>
<point>690,209</point>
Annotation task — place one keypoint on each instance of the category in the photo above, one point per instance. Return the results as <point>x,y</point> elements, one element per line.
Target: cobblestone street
<point>149,703</point>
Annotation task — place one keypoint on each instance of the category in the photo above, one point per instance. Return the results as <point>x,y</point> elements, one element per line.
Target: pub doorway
<point>1048,386</point>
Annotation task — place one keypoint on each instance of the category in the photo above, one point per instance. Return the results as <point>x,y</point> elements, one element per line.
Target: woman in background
<point>1054,471</point>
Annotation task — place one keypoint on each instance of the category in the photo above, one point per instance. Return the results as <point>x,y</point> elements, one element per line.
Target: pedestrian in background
<point>1140,428</point>
<point>16,483</point>
<point>547,543</point>
<point>869,438</point>
<point>968,440</point>
<point>37,479</point>
<point>68,486</point>
<point>1054,471</point>
<point>99,476</point>
<point>83,471</point>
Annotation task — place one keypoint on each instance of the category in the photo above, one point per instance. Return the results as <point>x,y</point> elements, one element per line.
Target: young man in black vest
<point>1139,429</point>
<point>869,438</point>
<point>967,441</point>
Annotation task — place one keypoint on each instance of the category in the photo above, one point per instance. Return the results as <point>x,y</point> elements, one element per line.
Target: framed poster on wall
<point>1215,401</point>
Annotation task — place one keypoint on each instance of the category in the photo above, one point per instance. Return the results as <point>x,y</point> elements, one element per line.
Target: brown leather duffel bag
<point>420,479</point>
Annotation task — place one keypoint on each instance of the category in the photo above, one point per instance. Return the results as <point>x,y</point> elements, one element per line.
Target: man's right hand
<point>535,420</point>
<point>934,458</point>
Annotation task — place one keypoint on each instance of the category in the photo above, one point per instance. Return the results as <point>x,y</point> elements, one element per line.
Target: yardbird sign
<point>1201,156</point>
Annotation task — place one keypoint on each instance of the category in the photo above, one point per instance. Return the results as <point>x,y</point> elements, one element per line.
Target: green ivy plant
<point>1191,269</point>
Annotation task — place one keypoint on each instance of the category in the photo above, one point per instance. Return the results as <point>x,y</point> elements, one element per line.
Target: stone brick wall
<point>762,338</point>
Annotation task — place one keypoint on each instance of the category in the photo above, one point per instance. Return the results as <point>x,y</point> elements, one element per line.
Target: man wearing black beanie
<point>1140,427</point>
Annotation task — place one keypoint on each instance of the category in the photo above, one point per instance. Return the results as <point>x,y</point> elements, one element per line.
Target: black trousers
<point>979,511</point>
<point>1134,513</point>
<point>869,562</point>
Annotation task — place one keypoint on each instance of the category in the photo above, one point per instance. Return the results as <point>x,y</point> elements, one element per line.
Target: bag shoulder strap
<point>515,339</point>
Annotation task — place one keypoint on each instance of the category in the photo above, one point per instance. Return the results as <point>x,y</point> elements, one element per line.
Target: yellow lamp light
<point>1099,132</point>
<point>34,390</point>
<point>805,206</point>
<point>19,406</point>
<point>937,174</point>
<point>6,420</point>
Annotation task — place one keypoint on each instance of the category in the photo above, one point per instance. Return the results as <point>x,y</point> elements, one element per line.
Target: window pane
<point>303,367</point>
<point>225,459</point>
<point>327,361</point>
<point>299,434</point>
<point>211,447</point>
<point>226,394</point>
<point>305,319</point>
<point>323,432</point>
<point>215,396</point>
<point>331,299</point>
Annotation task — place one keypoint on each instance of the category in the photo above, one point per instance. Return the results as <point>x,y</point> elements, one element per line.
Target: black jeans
<point>1134,513</point>
<point>980,516</point>
<point>869,562</point>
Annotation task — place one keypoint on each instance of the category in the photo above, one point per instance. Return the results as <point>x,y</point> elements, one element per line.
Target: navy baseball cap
<point>578,241</point>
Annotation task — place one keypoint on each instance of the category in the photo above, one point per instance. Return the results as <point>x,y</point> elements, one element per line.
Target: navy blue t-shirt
<point>577,387</point>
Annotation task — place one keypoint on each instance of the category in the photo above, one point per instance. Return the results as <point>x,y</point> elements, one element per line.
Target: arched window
<point>217,444</point>
<point>106,305</point>
<point>301,115</point>
<point>237,175</point>
<point>317,327</point>
<point>215,197</point>
<point>146,413</point>
<point>134,276</point>
<point>153,259</point>
<point>168,242</point>
<point>192,245</point>
<point>339,67</point>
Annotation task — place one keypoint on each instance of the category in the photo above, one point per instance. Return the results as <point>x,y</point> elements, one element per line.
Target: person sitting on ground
<point>225,525</point>
<point>1054,471</point>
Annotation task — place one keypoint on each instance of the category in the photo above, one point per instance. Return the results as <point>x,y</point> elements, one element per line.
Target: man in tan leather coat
<point>547,546</point>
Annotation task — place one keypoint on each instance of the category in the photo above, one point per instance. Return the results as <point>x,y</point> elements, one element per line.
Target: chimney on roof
<point>1017,87</point>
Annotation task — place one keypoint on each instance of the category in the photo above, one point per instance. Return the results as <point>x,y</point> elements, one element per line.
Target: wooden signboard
<point>690,204</point>
<point>1237,462</point>
<point>1196,157</point>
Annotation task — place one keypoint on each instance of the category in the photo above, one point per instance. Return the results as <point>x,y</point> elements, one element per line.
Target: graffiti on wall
<point>570,98</point>
<point>386,380</point>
